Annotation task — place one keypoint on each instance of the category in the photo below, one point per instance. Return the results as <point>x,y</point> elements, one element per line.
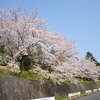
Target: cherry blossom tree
<point>22,33</point>
<point>73,68</point>
<point>25,38</point>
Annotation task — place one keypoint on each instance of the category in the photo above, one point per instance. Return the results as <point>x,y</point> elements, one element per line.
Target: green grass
<point>66,82</point>
<point>30,74</point>
<point>47,80</point>
<point>4,74</point>
<point>83,93</point>
<point>62,98</point>
<point>86,82</point>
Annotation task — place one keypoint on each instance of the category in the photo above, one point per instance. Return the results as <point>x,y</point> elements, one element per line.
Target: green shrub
<point>15,74</point>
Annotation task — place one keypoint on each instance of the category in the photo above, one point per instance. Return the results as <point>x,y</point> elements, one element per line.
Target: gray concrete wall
<point>12,88</point>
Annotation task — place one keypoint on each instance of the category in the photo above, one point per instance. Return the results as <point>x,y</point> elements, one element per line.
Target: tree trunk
<point>21,67</point>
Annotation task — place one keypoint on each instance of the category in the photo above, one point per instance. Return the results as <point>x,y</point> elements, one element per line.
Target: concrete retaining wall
<point>12,88</point>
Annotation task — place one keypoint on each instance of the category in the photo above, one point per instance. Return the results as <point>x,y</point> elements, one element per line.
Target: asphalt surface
<point>95,96</point>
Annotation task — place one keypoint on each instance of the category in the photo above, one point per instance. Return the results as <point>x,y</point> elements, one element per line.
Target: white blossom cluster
<point>73,68</point>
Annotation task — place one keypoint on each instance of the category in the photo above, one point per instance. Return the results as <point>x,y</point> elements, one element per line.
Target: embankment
<point>12,88</point>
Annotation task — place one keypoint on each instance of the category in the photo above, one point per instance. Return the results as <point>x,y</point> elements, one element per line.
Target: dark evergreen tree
<point>90,56</point>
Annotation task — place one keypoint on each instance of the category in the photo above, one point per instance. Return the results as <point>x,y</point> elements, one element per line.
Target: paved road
<point>95,96</point>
